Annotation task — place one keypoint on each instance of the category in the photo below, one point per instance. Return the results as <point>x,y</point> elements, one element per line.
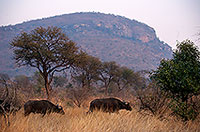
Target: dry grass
<point>76,120</point>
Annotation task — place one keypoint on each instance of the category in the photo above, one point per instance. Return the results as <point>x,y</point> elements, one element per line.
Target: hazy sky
<point>172,19</point>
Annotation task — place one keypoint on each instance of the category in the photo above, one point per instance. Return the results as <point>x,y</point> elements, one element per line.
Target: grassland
<point>76,120</point>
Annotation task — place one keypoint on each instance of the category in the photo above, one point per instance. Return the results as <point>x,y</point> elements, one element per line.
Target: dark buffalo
<point>4,110</point>
<point>110,105</point>
<point>42,107</point>
<point>4,106</point>
<point>7,108</point>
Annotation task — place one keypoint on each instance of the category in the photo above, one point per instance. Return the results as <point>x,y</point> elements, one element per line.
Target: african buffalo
<point>42,107</point>
<point>3,110</point>
<point>7,108</point>
<point>110,105</point>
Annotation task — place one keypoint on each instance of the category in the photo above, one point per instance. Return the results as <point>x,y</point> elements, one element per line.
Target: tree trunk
<point>106,90</point>
<point>46,80</point>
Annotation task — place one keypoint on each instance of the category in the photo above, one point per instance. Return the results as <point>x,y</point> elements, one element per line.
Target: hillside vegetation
<point>111,38</point>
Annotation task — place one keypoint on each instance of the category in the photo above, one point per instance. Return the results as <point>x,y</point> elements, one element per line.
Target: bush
<point>152,99</point>
<point>186,110</point>
<point>180,77</point>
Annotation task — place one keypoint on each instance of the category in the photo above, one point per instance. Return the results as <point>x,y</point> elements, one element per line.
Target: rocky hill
<point>109,37</point>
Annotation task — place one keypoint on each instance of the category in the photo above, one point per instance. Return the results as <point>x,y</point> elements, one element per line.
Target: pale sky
<point>173,20</point>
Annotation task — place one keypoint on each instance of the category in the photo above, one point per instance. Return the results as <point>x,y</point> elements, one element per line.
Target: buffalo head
<point>59,109</point>
<point>127,106</point>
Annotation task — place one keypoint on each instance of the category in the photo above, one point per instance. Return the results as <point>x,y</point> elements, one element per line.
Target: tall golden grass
<point>76,120</point>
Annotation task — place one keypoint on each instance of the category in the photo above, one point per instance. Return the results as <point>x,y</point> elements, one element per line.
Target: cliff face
<point>109,37</point>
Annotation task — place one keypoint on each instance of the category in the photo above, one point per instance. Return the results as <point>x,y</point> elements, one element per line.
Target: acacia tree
<point>126,77</point>
<point>47,49</point>
<point>85,70</point>
<point>180,76</point>
<point>107,73</point>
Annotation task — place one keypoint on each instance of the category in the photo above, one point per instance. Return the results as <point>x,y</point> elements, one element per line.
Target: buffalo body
<point>110,105</point>
<point>42,107</point>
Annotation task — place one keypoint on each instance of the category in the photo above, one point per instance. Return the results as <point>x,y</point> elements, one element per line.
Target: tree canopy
<point>181,75</point>
<point>47,49</point>
<point>180,78</point>
<point>85,70</point>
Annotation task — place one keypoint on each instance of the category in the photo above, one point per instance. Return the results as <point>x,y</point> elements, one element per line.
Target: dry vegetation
<point>76,120</point>
<point>150,117</point>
